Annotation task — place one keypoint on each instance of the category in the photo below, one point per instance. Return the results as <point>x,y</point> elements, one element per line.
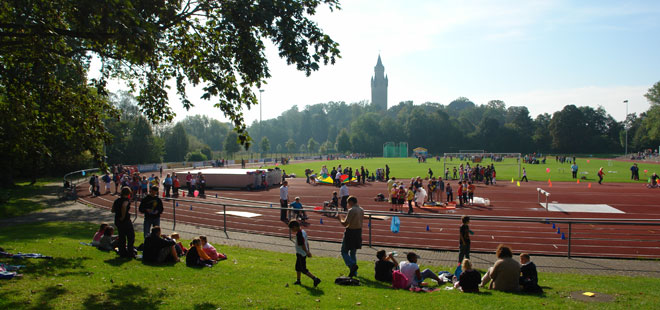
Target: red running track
<point>507,199</point>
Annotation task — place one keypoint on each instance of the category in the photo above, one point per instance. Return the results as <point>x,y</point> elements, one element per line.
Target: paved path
<point>76,212</point>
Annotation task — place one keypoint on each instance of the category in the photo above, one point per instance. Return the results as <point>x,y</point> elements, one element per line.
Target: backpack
<point>347,281</point>
<point>399,280</point>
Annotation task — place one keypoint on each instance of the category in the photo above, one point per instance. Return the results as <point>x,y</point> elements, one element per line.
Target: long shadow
<point>129,296</point>
<point>206,306</point>
<point>373,283</point>
<point>51,266</point>
<point>117,261</point>
<point>48,295</point>
<point>314,291</point>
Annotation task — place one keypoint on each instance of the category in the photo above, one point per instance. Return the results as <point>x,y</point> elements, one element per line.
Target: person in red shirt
<point>600,175</point>
<point>175,186</point>
<point>460,194</point>
<point>188,179</point>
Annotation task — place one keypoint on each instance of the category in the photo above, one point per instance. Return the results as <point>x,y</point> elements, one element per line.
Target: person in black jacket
<point>121,208</point>
<point>529,277</point>
<point>192,257</point>
<point>158,249</point>
<point>152,207</point>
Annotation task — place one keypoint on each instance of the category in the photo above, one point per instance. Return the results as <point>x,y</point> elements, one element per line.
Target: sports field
<point>615,170</point>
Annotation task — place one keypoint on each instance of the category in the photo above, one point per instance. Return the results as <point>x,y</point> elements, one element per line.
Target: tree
<point>343,143</point>
<point>460,103</point>
<point>176,144</point>
<point>567,129</point>
<point>290,146</point>
<point>653,95</point>
<point>264,145</point>
<point>143,148</point>
<point>216,44</point>
<point>312,145</point>
<point>326,147</point>
<point>278,148</point>
<point>207,130</point>
<point>231,145</point>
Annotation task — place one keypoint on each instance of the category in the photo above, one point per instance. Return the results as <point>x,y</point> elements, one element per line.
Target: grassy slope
<point>81,277</point>
<point>20,199</point>
<point>408,167</point>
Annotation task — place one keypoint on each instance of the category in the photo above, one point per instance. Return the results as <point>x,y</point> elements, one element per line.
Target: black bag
<point>347,281</point>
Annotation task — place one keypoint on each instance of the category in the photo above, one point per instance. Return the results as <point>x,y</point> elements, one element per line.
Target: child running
<point>302,252</point>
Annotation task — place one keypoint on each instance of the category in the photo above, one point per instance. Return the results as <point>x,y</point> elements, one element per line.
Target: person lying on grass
<point>411,270</point>
<point>302,252</point>
<point>469,280</point>
<point>195,257</point>
<point>211,251</point>
<point>158,250</point>
<point>384,266</point>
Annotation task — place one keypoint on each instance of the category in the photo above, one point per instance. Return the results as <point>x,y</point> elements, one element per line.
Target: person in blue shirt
<point>168,184</point>
<point>298,209</point>
<point>574,170</point>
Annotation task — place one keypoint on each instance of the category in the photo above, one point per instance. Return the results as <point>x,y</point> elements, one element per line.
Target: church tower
<point>379,86</point>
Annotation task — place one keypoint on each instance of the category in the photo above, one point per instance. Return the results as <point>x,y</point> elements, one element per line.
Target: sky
<point>539,54</point>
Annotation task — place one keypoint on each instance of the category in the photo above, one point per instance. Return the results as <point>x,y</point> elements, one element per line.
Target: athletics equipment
<point>392,150</point>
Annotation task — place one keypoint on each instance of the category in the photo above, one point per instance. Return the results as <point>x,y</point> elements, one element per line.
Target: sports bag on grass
<point>347,281</point>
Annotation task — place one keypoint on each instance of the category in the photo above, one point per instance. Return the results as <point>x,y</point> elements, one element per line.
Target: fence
<point>371,214</point>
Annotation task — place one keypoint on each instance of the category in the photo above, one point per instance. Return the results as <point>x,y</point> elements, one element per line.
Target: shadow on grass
<point>129,296</point>
<point>205,306</point>
<point>47,296</point>
<point>19,200</point>
<point>314,291</point>
<point>52,267</point>
<point>30,232</point>
<point>117,261</point>
<point>374,284</point>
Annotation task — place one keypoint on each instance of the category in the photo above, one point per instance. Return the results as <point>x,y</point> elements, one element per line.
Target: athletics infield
<point>525,225</point>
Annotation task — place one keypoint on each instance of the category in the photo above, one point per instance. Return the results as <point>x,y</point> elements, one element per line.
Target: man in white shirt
<point>420,197</point>
<point>284,201</point>
<point>343,193</point>
<point>411,270</point>
<point>338,178</point>
<point>352,240</point>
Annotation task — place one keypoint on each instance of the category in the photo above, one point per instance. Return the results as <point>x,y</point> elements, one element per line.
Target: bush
<point>195,156</point>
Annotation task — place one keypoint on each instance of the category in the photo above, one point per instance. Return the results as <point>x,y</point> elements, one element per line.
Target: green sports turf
<point>82,277</point>
<point>615,171</point>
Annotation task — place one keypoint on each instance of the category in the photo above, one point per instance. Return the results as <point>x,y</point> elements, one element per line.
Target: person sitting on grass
<point>298,210</point>
<point>411,270</point>
<point>180,249</point>
<point>302,252</point>
<point>158,250</point>
<point>195,257</point>
<point>529,277</point>
<point>384,266</point>
<point>505,273</point>
<point>108,242</point>
<point>97,236</point>
<point>469,280</point>
<point>211,251</point>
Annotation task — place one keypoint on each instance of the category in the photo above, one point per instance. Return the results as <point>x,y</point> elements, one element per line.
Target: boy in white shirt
<point>411,270</point>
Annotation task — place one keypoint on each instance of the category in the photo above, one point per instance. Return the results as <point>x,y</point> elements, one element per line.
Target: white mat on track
<point>241,214</point>
<point>578,207</point>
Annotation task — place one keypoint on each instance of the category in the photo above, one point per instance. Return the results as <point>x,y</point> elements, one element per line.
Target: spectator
<point>343,193</point>
<point>107,180</point>
<point>158,250</point>
<point>298,209</point>
<point>529,277</point>
<point>411,270</point>
<point>99,234</point>
<point>302,252</point>
<point>352,240</point>
<point>284,201</point>
<point>464,239</point>
<point>505,273</point>
<point>152,207</point>
<point>121,208</point>
<point>108,242</point>
<point>167,183</point>
<point>180,249</point>
<point>574,170</point>
<point>469,280</point>
<point>600,175</point>
<point>175,185</point>
<point>195,257</point>
<point>188,180</point>
<point>384,266</point>
<point>210,250</point>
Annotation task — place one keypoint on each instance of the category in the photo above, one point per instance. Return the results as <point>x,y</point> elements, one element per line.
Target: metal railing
<point>546,220</point>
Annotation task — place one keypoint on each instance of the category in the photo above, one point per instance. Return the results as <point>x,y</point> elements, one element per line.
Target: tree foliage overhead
<point>653,95</point>
<point>215,44</point>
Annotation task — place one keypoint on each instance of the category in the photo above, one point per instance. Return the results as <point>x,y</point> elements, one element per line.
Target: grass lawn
<point>81,277</point>
<point>20,199</point>
<point>615,171</point>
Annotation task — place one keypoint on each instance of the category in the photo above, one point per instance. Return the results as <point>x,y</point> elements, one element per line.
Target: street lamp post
<point>260,128</point>
<point>625,123</point>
